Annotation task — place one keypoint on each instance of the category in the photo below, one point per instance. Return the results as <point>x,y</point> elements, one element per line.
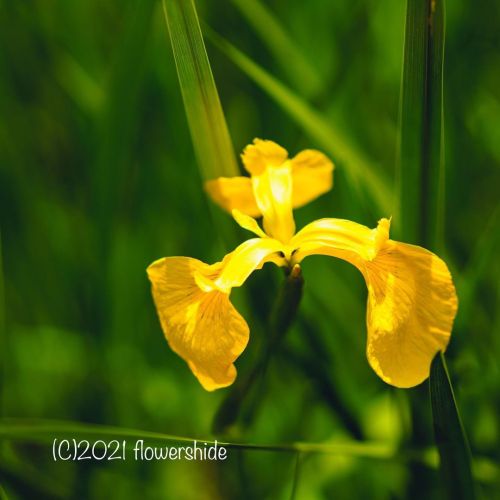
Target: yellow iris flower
<point>411,297</point>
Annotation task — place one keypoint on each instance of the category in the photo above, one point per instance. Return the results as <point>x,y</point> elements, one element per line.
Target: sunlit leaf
<point>212,143</point>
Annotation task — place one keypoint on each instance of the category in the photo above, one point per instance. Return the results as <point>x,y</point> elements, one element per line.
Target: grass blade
<point>420,167</point>
<point>455,460</point>
<point>421,194</point>
<point>359,170</point>
<point>44,431</point>
<point>3,495</point>
<point>296,474</point>
<point>3,333</point>
<point>212,143</point>
<point>281,46</point>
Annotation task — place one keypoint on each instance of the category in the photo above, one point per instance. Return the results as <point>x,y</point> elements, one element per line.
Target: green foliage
<point>422,187</point>
<point>205,116</point>
<point>98,178</point>
<point>421,161</point>
<point>454,453</point>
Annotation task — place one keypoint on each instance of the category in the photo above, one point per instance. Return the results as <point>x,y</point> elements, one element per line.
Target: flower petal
<point>273,192</point>
<point>411,307</point>
<point>411,297</point>
<point>312,175</point>
<point>246,258</point>
<point>263,154</point>
<point>232,193</point>
<point>338,238</point>
<point>248,223</point>
<point>203,328</point>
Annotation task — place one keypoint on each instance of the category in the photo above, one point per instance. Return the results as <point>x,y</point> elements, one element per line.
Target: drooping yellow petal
<point>260,155</point>
<point>312,176</point>
<point>411,307</point>
<point>411,297</point>
<point>202,327</point>
<point>233,193</point>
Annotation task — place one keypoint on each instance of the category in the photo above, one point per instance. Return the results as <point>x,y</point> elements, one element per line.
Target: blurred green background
<point>98,179</point>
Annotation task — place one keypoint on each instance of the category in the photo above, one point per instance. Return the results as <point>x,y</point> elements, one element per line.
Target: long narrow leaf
<point>43,431</point>
<point>420,166</point>
<point>421,182</point>
<point>300,73</point>
<point>212,143</point>
<point>359,170</point>
<point>3,333</point>
<point>455,461</point>
<point>3,495</point>
<point>296,475</point>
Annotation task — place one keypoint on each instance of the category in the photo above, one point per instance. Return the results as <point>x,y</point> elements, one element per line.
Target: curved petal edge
<point>412,304</point>
<point>202,327</point>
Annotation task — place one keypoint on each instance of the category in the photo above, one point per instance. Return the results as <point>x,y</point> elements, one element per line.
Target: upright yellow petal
<point>260,155</point>
<point>411,297</point>
<point>202,327</point>
<point>312,176</point>
<point>273,192</point>
<point>233,193</point>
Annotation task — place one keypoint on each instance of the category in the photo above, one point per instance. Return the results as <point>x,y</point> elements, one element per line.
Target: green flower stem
<point>247,388</point>
<point>285,307</point>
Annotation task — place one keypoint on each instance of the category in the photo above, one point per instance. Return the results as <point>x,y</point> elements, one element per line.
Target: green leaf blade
<point>3,333</point>
<point>45,431</point>
<point>282,46</point>
<point>212,143</point>
<point>421,177</point>
<point>455,459</point>
<point>420,167</point>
